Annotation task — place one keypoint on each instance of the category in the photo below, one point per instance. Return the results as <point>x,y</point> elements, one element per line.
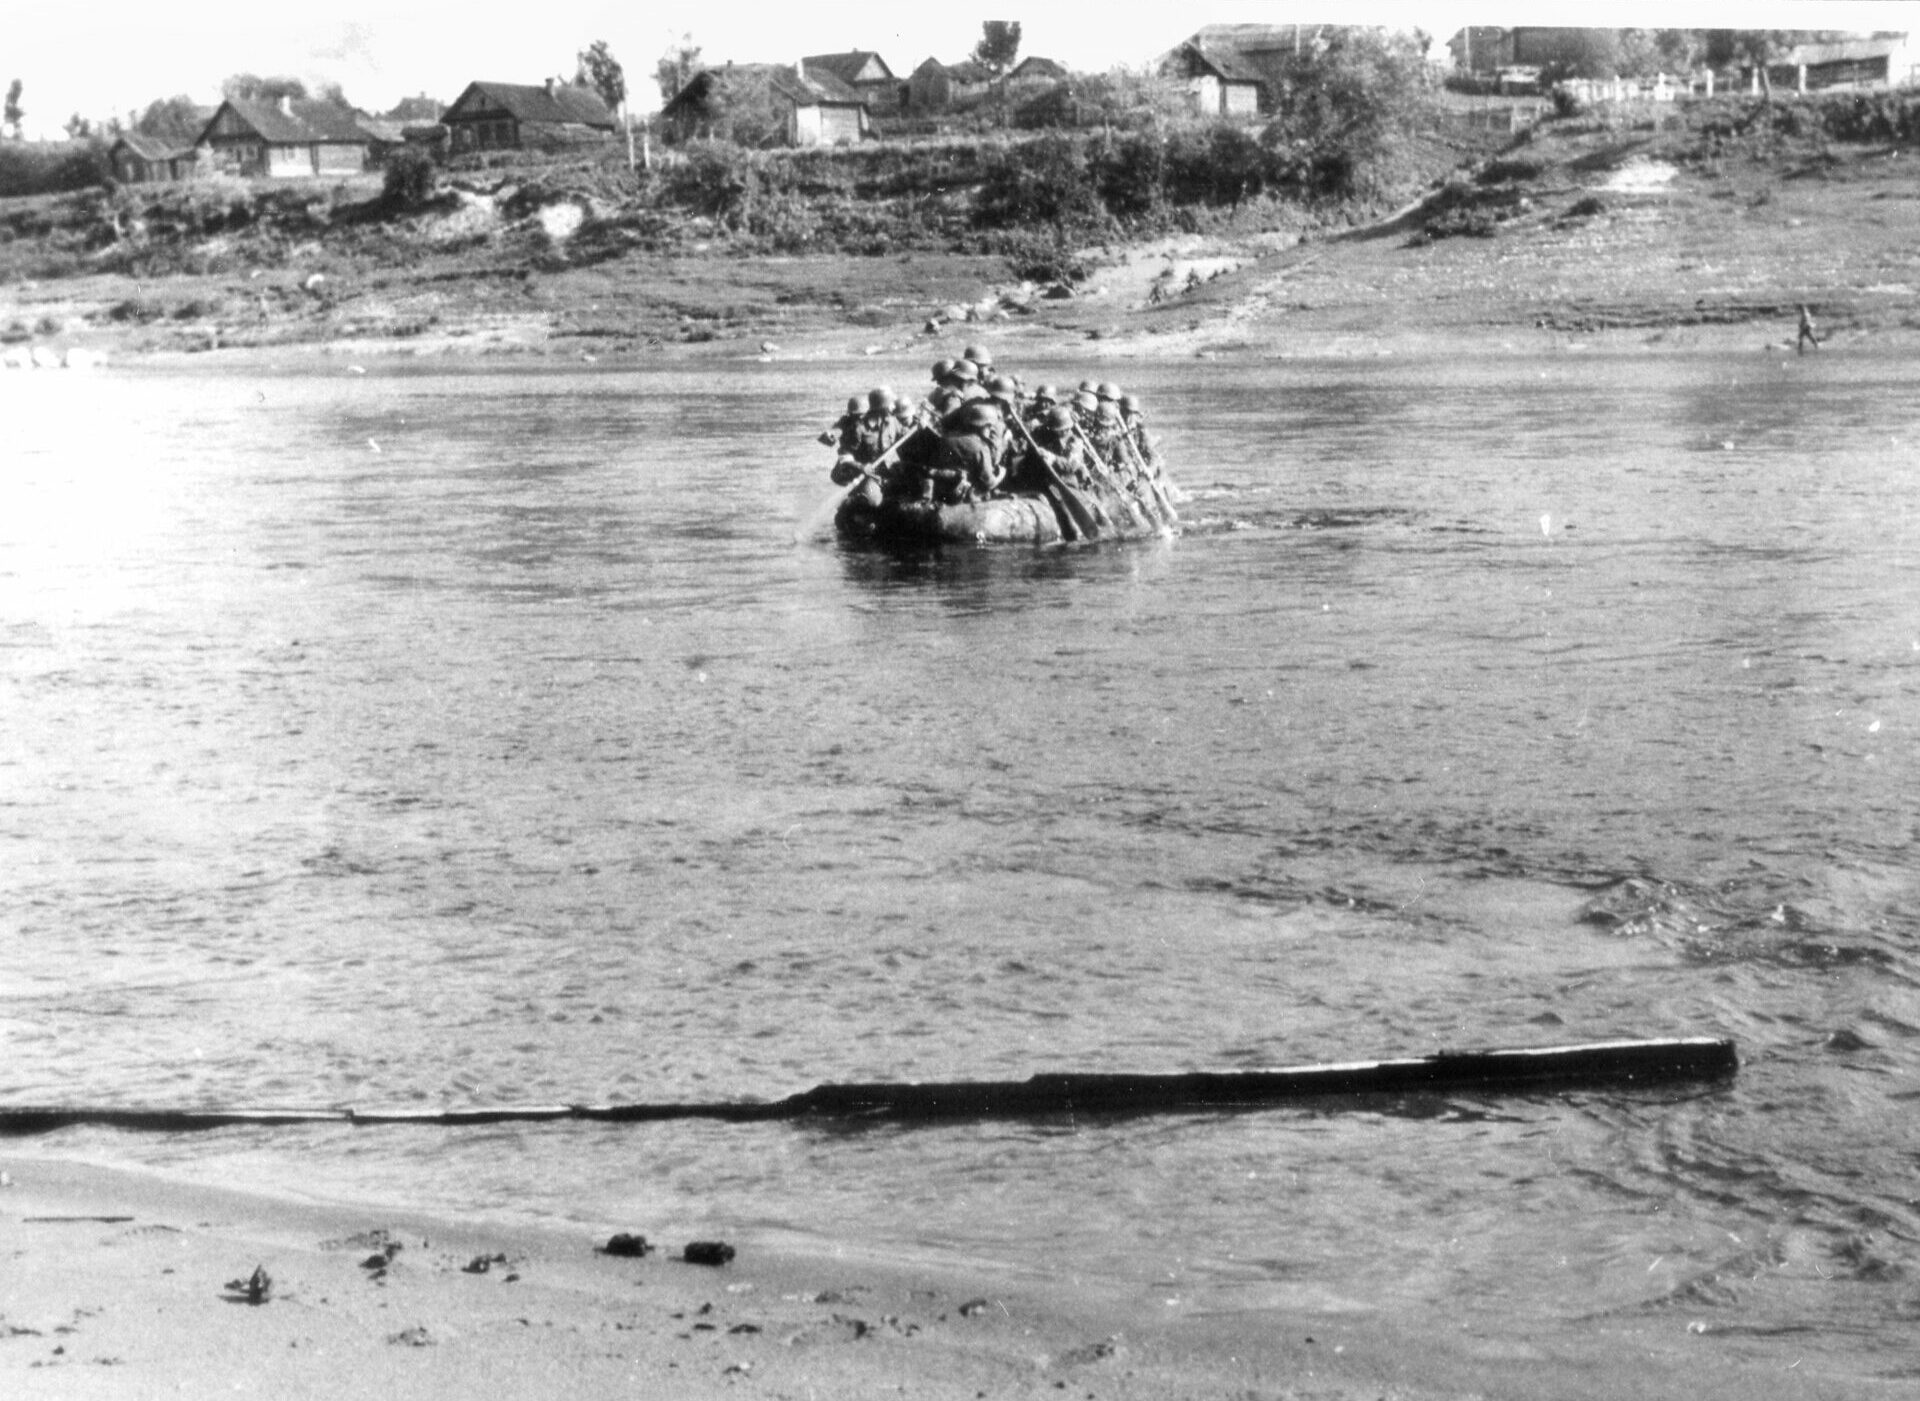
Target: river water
<point>459,737</point>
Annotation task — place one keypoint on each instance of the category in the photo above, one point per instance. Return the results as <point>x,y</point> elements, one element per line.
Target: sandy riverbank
<point>120,1284</point>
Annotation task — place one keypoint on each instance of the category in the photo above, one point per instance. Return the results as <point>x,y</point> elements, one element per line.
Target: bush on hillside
<point>408,183</point>
<point>1045,181</point>
<point>51,168</point>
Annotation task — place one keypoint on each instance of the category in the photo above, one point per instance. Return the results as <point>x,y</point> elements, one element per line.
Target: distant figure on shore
<point>1806,332</point>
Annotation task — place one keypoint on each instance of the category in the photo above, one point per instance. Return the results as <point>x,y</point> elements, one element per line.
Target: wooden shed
<point>139,159</point>
<point>285,138</point>
<point>863,71</point>
<point>515,116</point>
<point>1220,84</point>
<point>944,87</point>
<point>818,109</point>
<point>1033,73</point>
<point>1890,61</point>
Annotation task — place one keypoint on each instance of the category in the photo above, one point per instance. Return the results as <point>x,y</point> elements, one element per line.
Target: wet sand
<point>122,1284</point>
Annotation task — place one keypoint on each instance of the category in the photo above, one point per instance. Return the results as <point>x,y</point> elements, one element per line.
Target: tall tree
<point>251,86</point>
<point>679,63</point>
<point>14,114</point>
<point>999,45</point>
<point>177,119</point>
<point>602,72</point>
<point>416,109</point>
<point>78,128</point>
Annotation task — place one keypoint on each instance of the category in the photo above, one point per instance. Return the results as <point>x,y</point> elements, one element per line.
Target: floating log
<point>1597,1065</point>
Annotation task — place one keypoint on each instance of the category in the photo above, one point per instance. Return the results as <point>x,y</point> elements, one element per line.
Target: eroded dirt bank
<point>1664,233</point>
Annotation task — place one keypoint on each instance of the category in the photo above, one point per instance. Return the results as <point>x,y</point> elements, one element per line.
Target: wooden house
<point>1033,73</point>
<point>863,71</point>
<point>289,137</point>
<point>945,87</point>
<point>815,107</point>
<point>139,159</point>
<point>1481,50</point>
<point>1219,83</point>
<point>516,116</point>
<point>1890,61</point>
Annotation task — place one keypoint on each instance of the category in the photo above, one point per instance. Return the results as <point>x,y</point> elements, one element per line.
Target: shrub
<point>1130,172</point>
<point>409,179</point>
<point>1040,182</point>
<point>35,168</point>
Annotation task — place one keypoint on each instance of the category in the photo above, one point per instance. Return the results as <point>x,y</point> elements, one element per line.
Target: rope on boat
<point>1596,1065</point>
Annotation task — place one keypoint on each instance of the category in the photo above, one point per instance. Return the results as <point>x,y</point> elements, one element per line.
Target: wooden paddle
<point>1142,471</point>
<point>1076,521</point>
<point>1106,474</point>
<point>833,504</point>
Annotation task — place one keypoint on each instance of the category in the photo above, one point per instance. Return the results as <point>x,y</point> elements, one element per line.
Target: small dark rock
<point>707,1252</point>
<point>625,1244</point>
<point>480,1264</point>
<point>972,1307</point>
<point>255,1289</point>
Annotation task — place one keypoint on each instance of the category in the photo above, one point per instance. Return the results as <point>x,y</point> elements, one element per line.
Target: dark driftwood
<point>1599,1065</point>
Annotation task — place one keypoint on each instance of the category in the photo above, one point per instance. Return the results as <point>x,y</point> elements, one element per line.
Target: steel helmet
<point>1002,386</point>
<point>1130,403</point>
<point>1059,418</point>
<point>854,405</point>
<point>880,398</point>
<point>941,369</point>
<point>1086,386</point>
<point>965,371</point>
<point>1108,390</point>
<point>978,354</point>
<point>1046,394</point>
<point>1085,402</point>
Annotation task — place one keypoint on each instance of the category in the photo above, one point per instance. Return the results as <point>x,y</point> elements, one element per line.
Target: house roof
<point>382,129</point>
<point>1037,67</point>
<point>565,104</point>
<point>1249,38</point>
<point>965,71</point>
<point>1851,51</point>
<point>148,148</point>
<point>1226,66</point>
<point>848,66</point>
<point>815,89</point>
<point>297,123</point>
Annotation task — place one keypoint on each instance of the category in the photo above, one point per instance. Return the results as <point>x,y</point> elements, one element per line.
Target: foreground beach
<point>124,1284</point>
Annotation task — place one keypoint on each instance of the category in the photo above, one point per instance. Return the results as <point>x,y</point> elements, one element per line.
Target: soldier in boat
<point>968,465</point>
<point>1054,445</point>
<point>1133,417</point>
<point>841,436</point>
<point>1042,402</point>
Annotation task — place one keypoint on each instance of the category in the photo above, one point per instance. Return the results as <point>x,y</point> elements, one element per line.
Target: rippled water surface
<point>427,737</point>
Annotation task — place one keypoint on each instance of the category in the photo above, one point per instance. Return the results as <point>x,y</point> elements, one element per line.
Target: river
<point>462,736</point>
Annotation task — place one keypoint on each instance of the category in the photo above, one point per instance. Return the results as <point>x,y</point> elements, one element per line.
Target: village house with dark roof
<point>1885,61</point>
<point>286,138</point>
<point>515,116</point>
<point>1220,83</point>
<point>865,72</point>
<point>1035,72</point>
<point>138,159</point>
<point>944,87</point>
<point>819,109</point>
